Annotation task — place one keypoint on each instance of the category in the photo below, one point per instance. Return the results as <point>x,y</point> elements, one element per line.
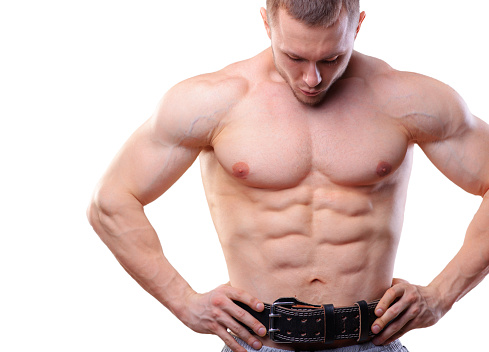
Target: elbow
<point>89,213</point>
<point>101,211</point>
<point>95,213</point>
<point>107,209</point>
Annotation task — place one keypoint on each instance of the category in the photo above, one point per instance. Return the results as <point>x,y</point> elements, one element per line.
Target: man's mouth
<point>310,94</point>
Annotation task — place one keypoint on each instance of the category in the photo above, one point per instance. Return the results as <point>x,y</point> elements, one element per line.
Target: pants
<point>395,346</point>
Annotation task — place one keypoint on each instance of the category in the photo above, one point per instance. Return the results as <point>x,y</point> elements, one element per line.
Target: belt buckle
<point>274,315</point>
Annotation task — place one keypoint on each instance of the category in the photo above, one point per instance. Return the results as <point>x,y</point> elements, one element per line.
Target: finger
<point>390,335</point>
<point>399,325</point>
<point>247,337</point>
<point>388,317</point>
<point>225,303</point>
<point>241,332</point>
<point>246,318</point>
<point>246,298</point>
<point>229,340</point>
<point>386,311</point>
<point>389,298</point>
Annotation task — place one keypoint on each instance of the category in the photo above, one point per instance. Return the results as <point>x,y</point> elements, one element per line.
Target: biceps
<point>464,158</point>
<point>146,168</point>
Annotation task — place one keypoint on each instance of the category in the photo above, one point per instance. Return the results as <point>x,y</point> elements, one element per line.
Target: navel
<point>241,170</point>
<point>383,169</point>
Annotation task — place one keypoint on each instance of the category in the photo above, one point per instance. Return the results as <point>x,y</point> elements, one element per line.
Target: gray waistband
<point>395,346</point>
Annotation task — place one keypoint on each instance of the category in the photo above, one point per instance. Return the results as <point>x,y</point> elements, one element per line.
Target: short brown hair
<point>314,12</point>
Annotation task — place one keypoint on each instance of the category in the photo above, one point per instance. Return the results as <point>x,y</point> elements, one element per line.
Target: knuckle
<point>237,328</point>
<point>378,322</point>
<point>415,311</point>
<point>382,323</point>
<point>213,327</point>
<point>216,314</point>
<point>391,293</point>
<point>411,298</point>
<point>239,291</point>
<point>222,289</point>
<point>240,314</point>
<point>251,341</point>
<point>253,303</point>
<point>255,326</point>
<point>395,310</point>
<point>217,300</point>
<point>396,326</point>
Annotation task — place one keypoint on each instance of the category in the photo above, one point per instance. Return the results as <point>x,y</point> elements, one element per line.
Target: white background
<point>77,77</point>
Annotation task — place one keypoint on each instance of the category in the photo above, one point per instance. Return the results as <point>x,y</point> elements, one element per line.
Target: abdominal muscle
<point>332,245</point>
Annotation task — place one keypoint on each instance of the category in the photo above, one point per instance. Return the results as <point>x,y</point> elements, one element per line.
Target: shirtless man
<point>306,151</point>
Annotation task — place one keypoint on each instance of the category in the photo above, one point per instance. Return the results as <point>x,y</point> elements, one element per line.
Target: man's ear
<point>360,21</point>
<point>263,13</point>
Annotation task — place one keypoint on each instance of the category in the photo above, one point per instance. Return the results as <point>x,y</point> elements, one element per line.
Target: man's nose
<point>312,76</point>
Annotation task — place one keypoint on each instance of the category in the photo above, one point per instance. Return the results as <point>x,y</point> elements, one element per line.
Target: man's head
<point>312,42</point>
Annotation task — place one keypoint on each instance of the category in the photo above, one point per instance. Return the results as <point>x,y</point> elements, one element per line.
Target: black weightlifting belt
<point>291,321</point>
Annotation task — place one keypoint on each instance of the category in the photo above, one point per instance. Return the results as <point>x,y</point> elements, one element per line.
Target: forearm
<point>471,264</point>
<point>124,228</point>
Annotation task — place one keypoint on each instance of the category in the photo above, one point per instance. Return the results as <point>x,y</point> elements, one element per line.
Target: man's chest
<point>274,146</point>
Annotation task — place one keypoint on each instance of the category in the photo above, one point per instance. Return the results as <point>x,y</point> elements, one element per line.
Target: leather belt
<point>289,320</point>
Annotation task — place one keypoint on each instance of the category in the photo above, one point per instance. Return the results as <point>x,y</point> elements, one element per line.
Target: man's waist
<point>289,320</point>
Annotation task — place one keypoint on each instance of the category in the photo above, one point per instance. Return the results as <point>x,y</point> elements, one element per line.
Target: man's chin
<point>308,99</point>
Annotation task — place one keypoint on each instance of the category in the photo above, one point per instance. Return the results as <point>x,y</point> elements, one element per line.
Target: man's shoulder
<point>427,107</point>
<point>387,81</point>
<point>219,87</point>
<point>218,90</point>
<point>198,107</point>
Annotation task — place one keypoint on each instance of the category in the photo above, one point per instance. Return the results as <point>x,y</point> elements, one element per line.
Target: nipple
<point>383,169</point>
<point>241,170</point>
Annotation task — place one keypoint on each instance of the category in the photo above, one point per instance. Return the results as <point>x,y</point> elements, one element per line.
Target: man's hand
<point>405,307</point>
<point>214,313</point>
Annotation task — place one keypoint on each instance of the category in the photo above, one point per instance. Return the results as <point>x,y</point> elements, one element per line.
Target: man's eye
<point>331,61</point>
<point>295,59</point>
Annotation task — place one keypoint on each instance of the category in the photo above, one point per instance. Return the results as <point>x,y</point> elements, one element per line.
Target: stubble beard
<point>310,101</point>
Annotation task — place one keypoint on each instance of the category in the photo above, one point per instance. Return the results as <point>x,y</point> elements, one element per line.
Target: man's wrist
<point>443,298</point>
<point>178,304</point>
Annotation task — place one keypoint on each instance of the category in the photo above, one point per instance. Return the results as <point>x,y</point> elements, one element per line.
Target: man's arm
<point>153,158</point>
<point>458,145</point>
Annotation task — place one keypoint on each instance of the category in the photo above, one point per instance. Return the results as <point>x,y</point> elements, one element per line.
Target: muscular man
<point>306,151</point>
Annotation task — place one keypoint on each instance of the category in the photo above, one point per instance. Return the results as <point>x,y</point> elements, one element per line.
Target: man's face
<point>311,59</point>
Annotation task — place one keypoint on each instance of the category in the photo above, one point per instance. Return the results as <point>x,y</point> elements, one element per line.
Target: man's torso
<point>309,202</point>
